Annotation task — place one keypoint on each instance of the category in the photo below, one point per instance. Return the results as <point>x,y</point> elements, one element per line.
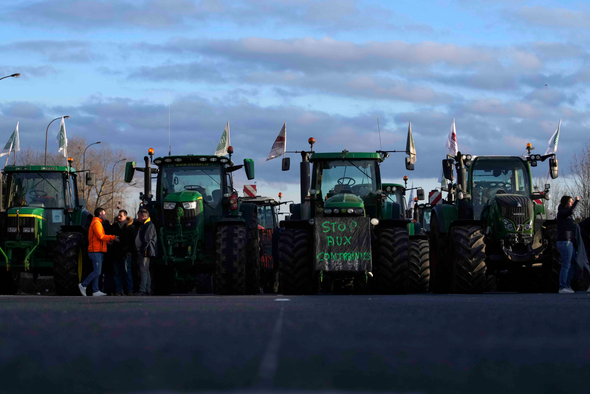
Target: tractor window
<point>266,216</point>
<point>496,176</point>
<point>346,176</point>
<point>37,189</point>
<point>205,180</point>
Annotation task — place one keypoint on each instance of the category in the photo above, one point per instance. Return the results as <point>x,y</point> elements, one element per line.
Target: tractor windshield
<point>491,176</point>
<point>267,216</point>
<point>346,176</point>
<point>37,189</point>
<point>205,180</point>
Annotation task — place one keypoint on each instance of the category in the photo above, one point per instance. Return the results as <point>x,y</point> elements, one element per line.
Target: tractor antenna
<point>379,129</point>
<point>169,143</point>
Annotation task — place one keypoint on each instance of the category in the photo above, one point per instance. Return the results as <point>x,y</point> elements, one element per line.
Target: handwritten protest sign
<point>343,244</point>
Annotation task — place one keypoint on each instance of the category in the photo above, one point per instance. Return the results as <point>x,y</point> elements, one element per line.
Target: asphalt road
<point>487,343</point>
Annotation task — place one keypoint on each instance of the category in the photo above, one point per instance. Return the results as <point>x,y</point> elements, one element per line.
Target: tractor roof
<point>346,155</point>
<point>396,185</point>
<point>185,159</point>
<point>260,200</point>
<point>38,169</point>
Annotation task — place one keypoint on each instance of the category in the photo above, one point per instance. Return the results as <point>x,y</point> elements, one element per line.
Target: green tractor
<point>203,229</point>
<point>344,230</point>
<point>492,226</point>
<point>419,254</point>
<point>45,226</point>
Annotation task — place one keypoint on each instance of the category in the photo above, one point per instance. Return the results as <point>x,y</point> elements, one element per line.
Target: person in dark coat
<point>566,242</point>
<point>121,253</point>
<point>146,244</point>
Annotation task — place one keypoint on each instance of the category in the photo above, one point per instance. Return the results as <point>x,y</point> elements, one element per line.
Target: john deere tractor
<point>344,231</point>
<point>419,260</point>
<point>202,227</point>
<point>44,225</point>
<point>492,225</point>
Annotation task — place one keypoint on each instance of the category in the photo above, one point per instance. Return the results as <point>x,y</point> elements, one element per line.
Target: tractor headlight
<point>189,205</point>
<point>169,205</point>
<point>350,210</point>
<point>28,229</point>
<point>359,211</point>
<point>374,221</point>
<point>12,229</point>
<point>327,211</point>
<point>508,224</point>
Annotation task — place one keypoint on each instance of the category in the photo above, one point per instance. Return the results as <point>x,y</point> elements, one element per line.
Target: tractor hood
<point>27,212</point>
<point>185,196</point>
<point>344,200</point>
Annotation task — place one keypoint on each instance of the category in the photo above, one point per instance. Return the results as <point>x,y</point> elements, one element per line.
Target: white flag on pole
<point>552,144</point>
<point>62,139</point>
<point>12,144</point>
<point>411,202</point>
<point>410,147</point>
<point>280,145</point>
<point>451,144</point>
<point>224,142</point>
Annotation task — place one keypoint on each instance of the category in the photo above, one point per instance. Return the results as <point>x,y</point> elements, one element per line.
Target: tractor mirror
<point>129,171</point>
<point>554,168</point>
<point>286,164</point>
<point>547,186</point>
<point>409,164</point>
<point>420,194</point>
<point>448,169</point>
<point>90,179</point>
<point>249,167</point>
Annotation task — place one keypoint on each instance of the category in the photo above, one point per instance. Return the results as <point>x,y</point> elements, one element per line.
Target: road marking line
<point>270,361</point>
<point>282,299</point>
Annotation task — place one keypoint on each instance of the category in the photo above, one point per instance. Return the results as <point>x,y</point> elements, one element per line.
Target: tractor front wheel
<point>68,263</point>
<point>297,275</point>
<point>230,261</point>
<point>391,267</point>
<point>419,266</point>
<point>469,266</point>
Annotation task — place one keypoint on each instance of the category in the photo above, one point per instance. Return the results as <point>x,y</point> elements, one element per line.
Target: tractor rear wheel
<point>469,266</point>
<point>391,265</point>
<point>250,214</point>
<point>297,275</point>
<point>68,263</point>
<point>419,266</point>
<point>230,261</point>
<point>440,278</point>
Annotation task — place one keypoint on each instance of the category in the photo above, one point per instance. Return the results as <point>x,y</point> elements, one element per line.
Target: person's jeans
<point>123,274</point>
<point>568,263</point>
<point>145,283</point>
<point>96,258</point>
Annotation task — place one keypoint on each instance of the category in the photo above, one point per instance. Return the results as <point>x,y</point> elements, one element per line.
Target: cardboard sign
<point>343,244</point>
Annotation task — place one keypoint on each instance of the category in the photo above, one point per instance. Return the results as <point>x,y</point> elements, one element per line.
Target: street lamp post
<point>11,76</point>
<point>47,131</point>
<point>113,193</point>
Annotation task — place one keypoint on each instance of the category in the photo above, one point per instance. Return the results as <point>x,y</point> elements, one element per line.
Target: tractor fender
<point>445,215</point>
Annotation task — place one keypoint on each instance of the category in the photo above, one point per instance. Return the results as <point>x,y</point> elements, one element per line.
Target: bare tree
<point>580,180</point>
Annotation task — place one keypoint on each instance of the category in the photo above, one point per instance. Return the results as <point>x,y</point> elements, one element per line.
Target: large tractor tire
<point>391,266</point>
<point>230,260</point>
<point>297,275</point>
<point>440,278</point>
<point>250,214</point>
<point>469,266</point>
<point>9,280</point>
<point>68,265</point>
<point>419,266</point>
<point>552,261</point>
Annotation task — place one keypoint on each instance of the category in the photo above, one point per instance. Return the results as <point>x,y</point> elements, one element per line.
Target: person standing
<point>146,244</point>
<point>97,247</point>
<point>566,242</point>
<point>120,252</point>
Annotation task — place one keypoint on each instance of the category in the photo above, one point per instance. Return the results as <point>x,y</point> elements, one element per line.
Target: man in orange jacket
<point>97,247</point>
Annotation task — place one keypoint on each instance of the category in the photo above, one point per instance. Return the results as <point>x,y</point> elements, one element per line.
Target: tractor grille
<point>23,222</point>
<point>515,208</point>
<point>188,218</point>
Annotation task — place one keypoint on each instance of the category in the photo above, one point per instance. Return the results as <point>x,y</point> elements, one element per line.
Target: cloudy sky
<point>507,71</point>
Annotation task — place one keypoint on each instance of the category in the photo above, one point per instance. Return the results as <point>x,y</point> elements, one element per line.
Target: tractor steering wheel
<point>37,193</point>
<point>349,181</point>
<point>198,188</point>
